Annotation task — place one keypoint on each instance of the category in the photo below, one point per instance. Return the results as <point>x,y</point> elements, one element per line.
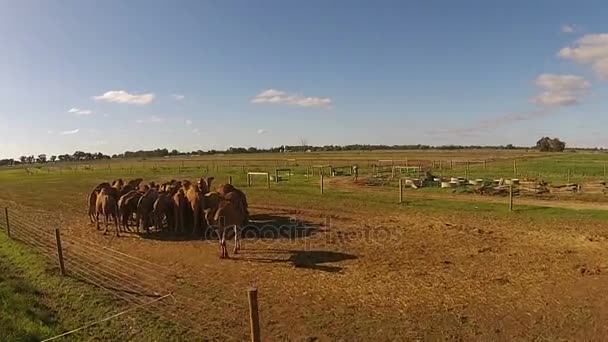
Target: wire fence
<point>138,283</point>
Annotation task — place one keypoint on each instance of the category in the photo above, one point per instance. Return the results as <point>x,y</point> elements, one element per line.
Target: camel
<point>92,200</point>
<point>118,184</point>
<point>205,184</point>
<point>236,196</point>
<point>127,205</point>
<point>163,207</point>
<point>106,205</point>
<point>227,216</point>
<point>211,203</point>
<point>180,204</point>
<point>194,197</point>
<point>145,206</point>
<point>135,182</point>
<point>125,190</point>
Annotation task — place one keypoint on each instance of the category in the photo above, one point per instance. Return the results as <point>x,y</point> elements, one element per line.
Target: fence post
<point>511,197</point>
<point>59,252</point>
<point>254,316</point>
<point>485,165</point>
<point>248,180</point>
<point>568,181</point>
<point>514,168</point>
<point>321,182</point>
<point>230,180</point>
<point>8,225</point>
<point>400,190</point>
<point>268,179</point>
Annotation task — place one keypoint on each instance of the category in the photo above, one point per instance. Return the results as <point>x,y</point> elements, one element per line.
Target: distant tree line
<point>545,144</point>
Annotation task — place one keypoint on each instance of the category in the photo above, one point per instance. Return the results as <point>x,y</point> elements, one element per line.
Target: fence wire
<point>134,281</point>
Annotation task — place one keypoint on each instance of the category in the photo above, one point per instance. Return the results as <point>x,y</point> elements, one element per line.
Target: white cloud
<point>151,119</point>
<point>196,131</point>
<point>74,131</point>
<point>77,111</point>
<point>262,131</point>
<point>188,122</point>
<point>560,90</point>
<point>177,97</point>
<point>550,99</point>
<point>590,49</point>
<point>49,132</point>
<point>555,82</point>
<point>570,28</point>
<point>121,96</point>
<point>280,97</point>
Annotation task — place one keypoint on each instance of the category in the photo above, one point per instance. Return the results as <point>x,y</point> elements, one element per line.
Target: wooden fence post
<point>268,179</point>
<point>8,225</point>
<point>230,180</point>
<point>248,180</point>
<point>485,165</point>
<point>511,197</point>
<point>59,252</point>
<point>254,316</point>
<point>514,168</point>
<point>321,182</point>
<point>400,190</point>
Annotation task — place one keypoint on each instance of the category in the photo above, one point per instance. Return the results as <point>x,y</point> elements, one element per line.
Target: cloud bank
<point>273,96</point>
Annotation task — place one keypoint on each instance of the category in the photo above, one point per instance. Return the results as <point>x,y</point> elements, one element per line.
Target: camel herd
<point>181,207</point>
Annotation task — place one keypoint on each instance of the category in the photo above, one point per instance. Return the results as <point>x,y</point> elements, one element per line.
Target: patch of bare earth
<point>396,276</point>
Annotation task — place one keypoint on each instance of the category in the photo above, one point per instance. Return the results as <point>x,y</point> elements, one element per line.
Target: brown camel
<point>228,216</point>
<point>127,206</point>
<point>145,206</point>
<point>211,203</point>
<point>236,196</point>
<point>163,208</point>
<point>118,184</point>
<point>180,203</point>
<point>135,182</point>
<point>195,204</point>
<point>106,205</point>
<point>92,200</point>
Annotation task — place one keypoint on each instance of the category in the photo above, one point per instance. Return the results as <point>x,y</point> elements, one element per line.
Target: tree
<point>41,158</point>
<point>23,159</point>
<point>53,159</point>
<point>546,144</point>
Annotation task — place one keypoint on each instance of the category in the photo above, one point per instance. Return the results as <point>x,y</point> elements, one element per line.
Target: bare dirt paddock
<point>360,274</point>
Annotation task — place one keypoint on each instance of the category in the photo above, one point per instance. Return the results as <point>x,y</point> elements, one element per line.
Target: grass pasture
<point>441,265</point>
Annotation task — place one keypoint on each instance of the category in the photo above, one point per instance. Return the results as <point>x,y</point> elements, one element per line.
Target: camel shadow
<point>261,226</point>
<point>313,259</point>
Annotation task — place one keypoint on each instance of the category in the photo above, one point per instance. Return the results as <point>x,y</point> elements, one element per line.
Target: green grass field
<point>62,304</point>
<point>36,303</point>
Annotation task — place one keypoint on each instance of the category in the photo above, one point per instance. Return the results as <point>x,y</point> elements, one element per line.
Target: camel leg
<point>105,222</point>
<point>236,239</point>
<point>222,244</point>
<point>195,223</point>
<point>116,222</point>
<point>97,220</point>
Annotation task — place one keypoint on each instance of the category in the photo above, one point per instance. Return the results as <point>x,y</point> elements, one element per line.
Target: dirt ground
<point>400,276</point>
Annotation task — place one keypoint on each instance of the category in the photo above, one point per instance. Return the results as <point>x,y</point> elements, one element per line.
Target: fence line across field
<point>127,278</point>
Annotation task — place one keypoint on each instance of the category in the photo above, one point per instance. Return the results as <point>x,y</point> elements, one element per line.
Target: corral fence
<point>139,283</point>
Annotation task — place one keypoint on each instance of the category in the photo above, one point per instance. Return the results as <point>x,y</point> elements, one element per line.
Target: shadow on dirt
<point>313,260</point>
<point>263,226</point>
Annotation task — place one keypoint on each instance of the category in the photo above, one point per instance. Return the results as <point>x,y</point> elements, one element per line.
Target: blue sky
<point>123,75</point>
